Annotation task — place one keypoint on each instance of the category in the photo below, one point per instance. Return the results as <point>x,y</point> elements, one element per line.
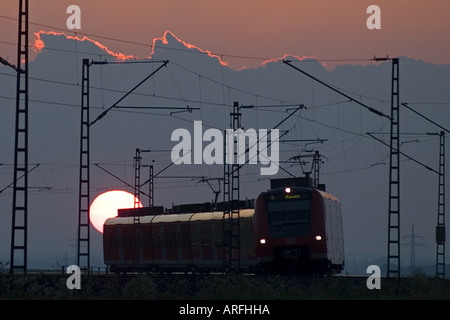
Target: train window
<point>288,212</point>
<point>289,218</point>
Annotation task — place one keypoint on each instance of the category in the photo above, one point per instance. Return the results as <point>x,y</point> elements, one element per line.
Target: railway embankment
<point>219,287</point>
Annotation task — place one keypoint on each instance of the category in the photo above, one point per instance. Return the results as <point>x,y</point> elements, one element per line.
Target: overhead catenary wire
<point>301,106</point>
<point>219,55</point>
<point>128,93</point>
<point>426,118</point>
<point>219,104</point>
<point>371,109</point>
<point>371,134</point>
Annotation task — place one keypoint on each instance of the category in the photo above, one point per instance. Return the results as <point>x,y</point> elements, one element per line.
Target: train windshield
<point>289,216</point>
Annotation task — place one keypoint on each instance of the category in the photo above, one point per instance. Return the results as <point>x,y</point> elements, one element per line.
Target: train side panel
<point>111,245</point>
<point>206,239</point>
<point>171,242</point>
<point>247,243</point>
<point>208,243</point>
<point>334,231</point>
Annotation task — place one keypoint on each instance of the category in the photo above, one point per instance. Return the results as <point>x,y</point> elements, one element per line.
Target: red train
<point>293,230</point>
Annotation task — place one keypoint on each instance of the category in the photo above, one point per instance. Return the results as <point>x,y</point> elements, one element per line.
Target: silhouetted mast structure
<point>151,185</point>
<point>393,264</point>
<point>413,244</point>
<point>316,172</point>
<point>137,178</point>
<point>19,230</point>
<point>83,248</point>
<point>231,186</point>
<point>137,195</point>
<point>83,251</point>
<point>440,228</point>
<point>231,193</point>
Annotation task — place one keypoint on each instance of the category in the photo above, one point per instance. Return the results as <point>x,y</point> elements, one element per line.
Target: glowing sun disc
<point>105,206</point>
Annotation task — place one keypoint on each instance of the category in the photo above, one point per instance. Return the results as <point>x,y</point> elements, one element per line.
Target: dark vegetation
<point>219,287</point>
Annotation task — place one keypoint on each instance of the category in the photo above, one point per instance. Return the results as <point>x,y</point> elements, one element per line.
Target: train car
<point>298,230</point>
<point>174,242</point>
<point>294,230</point>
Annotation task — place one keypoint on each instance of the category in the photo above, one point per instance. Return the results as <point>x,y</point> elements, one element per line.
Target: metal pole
<point>440,228</point>
<point>19,230</point>
<point>393,263</point>
<point>83,251</point>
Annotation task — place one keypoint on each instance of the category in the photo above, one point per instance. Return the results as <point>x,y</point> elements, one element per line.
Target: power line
<point>128,93</point>
<point>371,134</point>
<point>426,118</point>
<point>163,96</point>
<point>228,86</point>
<point>373,110</point>
<point>216,54</point>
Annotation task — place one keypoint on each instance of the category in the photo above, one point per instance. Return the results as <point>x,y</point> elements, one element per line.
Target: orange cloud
<point>286,56</point>
<point>39,44</point>
<point>187,45</point>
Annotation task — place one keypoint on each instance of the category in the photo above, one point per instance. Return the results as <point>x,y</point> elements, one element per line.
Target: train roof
<point>327,195</point>
<point>184,217</point>
<point>306,182</point>
<point>127,220</point>
<point>218,215</point>
<point>324,194</point>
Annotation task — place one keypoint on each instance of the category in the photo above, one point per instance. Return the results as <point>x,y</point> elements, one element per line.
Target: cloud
<point>39,44</point>
<point>168,41</point>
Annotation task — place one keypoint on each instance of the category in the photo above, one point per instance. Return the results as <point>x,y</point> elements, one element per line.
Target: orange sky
<point>327,29</point>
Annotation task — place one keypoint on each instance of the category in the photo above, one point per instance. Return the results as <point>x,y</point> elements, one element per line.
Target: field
<point>219,287</point>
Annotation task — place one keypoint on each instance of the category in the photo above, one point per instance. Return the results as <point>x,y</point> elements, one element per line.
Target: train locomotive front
<point>298,230</point>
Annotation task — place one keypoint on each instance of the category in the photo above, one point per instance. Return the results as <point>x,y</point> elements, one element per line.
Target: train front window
<point>289,212</point>
<point>289,216</point>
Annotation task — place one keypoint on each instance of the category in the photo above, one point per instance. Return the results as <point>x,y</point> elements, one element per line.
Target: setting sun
<point>105,206</point>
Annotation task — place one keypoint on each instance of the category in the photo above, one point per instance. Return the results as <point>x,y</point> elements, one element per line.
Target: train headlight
<point>287,190</point>
<point>262,241</point>
<point>318,237</point>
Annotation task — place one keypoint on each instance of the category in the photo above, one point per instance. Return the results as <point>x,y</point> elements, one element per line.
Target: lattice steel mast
<point>83,250</point>
<point>137,179</point>
<point>19,232</point>
<point>231,194</point>
<point>393,263</point>
<point>440,228</point>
